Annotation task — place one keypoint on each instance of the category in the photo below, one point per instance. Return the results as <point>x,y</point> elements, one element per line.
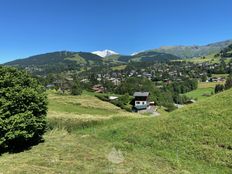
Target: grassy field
<point>220,75</point>
<point>209,58</point>
<point>193,140</point>
<point>84,109</point>
<point>205,89</point>
<point>200,93</point>
<point>120,67</point>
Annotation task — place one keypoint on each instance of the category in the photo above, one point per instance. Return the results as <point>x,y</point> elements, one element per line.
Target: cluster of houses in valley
<point>160,73</point>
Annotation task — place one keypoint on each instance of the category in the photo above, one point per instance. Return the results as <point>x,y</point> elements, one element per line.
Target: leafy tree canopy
<point>23,107</point>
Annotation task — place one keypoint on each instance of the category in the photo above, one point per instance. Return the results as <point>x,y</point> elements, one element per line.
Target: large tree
<point>23,108</point>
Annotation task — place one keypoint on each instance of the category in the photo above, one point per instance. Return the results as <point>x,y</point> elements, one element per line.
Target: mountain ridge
<point>71,60</point>
<point>191,51</point>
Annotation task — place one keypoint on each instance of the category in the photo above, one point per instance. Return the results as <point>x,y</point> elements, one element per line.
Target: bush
<point>23,107</point>
<point>218,88</point>
<point>228,83</point>
<point>170,107</point>
<point>76,89</point>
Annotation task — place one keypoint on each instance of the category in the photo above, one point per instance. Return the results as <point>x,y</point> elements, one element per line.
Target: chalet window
<point>137,103</point>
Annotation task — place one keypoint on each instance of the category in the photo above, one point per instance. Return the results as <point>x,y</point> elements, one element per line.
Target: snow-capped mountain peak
<point>104,53</point>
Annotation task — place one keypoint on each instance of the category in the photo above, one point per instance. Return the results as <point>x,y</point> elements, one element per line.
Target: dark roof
<point>141,94</point>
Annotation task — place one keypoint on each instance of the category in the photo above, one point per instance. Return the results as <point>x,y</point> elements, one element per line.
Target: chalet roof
<point>141,94</point>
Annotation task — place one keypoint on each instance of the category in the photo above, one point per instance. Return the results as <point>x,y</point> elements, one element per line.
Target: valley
<point>115,87</point>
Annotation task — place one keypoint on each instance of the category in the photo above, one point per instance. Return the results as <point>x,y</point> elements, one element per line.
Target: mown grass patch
<point>118,68</point>
<point>208,84</point>
<point>220,75</point>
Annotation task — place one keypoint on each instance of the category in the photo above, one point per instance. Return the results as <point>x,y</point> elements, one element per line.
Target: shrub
<point>169,107</point>
<point>218,88</point>
<point>228,83</point>
<point>76,89</point>
<point>23,107</point>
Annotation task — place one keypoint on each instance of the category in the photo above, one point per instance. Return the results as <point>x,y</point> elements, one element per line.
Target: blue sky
<point>29,27</point>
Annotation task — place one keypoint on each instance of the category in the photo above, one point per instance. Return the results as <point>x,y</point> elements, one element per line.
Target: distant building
<point>98,89</point>
<point>113,97</point>
<point>141,100</point>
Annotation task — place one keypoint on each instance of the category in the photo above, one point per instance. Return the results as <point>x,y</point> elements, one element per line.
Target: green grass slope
<point>151,56</point>
<point>225,54</point>
<point>147,56</point>
<point>193,140</point>
<point>205,89</point>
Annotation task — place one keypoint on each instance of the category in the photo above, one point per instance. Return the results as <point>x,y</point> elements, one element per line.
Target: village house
<point>115,81</point>
<point>141,100</point>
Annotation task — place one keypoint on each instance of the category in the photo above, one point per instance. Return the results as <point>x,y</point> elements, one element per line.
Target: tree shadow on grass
<point>19,145</point>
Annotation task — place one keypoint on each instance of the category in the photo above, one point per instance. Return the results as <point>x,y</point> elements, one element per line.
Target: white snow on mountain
<point>135,53</point>
<point>104,53</point>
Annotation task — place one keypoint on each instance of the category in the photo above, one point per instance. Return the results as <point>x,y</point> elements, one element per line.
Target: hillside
<point>227,52</point>
<point>56,58</point>
<point>142,57</point>
<point>117,58</point>
<point>195,139</point>
<point>67,60</point>
<point>194,51</point>
<point>56,61</point>
<point>151,56</point>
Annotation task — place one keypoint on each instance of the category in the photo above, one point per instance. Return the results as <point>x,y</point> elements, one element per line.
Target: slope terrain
<point>194,51</point>
<point>195,139</point>
<point>56,58</point>
<point>57,62</point>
